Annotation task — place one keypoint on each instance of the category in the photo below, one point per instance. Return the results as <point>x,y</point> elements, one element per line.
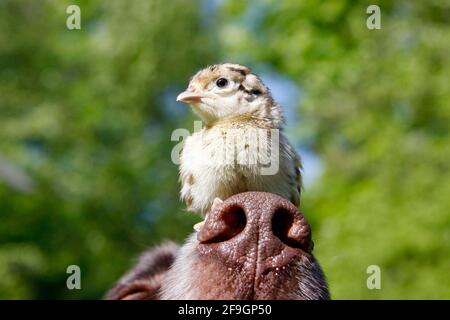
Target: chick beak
<point>190,97</point>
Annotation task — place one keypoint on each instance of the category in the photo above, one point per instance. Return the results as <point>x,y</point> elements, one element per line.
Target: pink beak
<point>190,97</point>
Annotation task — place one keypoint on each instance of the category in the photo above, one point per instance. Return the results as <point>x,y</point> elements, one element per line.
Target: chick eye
<point>222,82</point>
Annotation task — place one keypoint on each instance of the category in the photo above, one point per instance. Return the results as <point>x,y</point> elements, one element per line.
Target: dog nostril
<point>232,221</point>
<point>291,230</point>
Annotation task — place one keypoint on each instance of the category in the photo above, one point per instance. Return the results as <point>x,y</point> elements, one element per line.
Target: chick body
<point>228,154</point>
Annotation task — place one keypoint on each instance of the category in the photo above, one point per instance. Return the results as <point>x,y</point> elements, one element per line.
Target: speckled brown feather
<point>204,77</point>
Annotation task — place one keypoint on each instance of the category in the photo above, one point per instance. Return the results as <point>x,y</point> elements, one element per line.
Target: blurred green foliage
<point>86,118</point>
<point>82,113</point>
<point>376,109</point>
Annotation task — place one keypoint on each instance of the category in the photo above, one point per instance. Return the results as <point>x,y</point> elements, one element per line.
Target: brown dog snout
<point>254,245</point>
<point>256,227</point>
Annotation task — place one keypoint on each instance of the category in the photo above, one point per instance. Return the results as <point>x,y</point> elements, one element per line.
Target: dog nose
<point>255,230</point>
